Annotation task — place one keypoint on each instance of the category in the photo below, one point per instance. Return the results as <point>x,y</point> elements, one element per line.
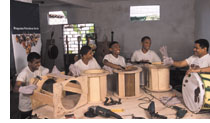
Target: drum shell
<point>127,83</point>
<point>97,85</point>
<point>158,78</point>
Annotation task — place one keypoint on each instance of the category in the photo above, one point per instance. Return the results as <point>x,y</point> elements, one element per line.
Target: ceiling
<point>85,3</point>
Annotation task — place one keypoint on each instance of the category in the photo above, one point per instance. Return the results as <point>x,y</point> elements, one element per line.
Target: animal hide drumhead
<point>193,92</point>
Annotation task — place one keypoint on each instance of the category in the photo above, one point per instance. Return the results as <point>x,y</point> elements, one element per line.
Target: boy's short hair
<point>203,43</point>
<point>145,37</point>
<point>84,50</point>
<point>112,43</point>
<point>33,55</point>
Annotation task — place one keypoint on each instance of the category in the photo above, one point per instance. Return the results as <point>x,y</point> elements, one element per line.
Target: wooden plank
<point>130,84</point>
<point>46,92</point>
<point>137,80</point>
<point>103,87</point>
<point>72,89</point>
<point>154,85</point>
<point>45,99</point>
<point>164,79</point>
<point>94,89</point>
<point>73,85</point>
<point>121,84</point>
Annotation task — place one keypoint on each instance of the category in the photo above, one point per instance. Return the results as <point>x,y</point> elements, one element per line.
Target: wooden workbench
<point>130,106</point>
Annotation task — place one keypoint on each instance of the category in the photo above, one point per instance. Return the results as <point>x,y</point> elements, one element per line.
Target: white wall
<point>202,25</point>
<point>176,27</point>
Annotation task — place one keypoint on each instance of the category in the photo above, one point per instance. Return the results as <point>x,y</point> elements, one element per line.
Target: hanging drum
<point>52,51</point>
<point>196,91</point>
<point>52,48</point>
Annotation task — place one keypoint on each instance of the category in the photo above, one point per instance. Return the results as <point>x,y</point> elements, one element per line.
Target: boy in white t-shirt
<point>22,85</point>
<point>86,62</point>
<point>114,60</point>
<point>145,54</point>
<point>199,62</point>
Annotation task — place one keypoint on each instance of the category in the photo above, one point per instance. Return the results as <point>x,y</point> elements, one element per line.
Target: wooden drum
<point>196,91</point>
<point>159,78</point>
<point>128,82</point>
<point>53,103</point>
<point>97,85</point>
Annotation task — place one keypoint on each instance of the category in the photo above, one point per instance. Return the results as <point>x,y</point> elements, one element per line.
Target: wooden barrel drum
<point>97,85</point>
<point>128,82</point>
<point>159,78</point>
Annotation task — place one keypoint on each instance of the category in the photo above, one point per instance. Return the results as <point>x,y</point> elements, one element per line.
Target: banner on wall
<point>25,27</point>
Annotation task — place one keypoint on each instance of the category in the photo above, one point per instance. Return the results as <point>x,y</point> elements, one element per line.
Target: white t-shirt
<point>25,76</point>
<point>92,64</point>
<point>150,55</point>
<point>118,61</point>
<point>201,62</point>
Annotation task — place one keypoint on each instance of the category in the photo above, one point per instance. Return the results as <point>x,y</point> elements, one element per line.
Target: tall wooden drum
<point>97,85</point>
<point>159,78</point>
<point>128,82</point>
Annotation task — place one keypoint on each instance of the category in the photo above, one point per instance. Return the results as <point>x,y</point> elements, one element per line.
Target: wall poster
<point>25,28</point>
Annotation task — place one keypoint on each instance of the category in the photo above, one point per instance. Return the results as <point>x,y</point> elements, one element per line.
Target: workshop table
<point>130,106</point>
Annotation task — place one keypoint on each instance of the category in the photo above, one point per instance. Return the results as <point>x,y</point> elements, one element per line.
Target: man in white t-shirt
<point>199,62</point>
<point>23,86</point>
<point>114,60</point>
<point>85,63</point>
<point>145,54</point>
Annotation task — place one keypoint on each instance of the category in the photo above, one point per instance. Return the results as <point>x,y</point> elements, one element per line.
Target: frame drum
<point>159,78</point>
<point>196,91</point>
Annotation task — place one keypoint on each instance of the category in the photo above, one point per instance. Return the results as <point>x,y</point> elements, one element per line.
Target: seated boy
<point>113,61</point>
<point>86,62</point>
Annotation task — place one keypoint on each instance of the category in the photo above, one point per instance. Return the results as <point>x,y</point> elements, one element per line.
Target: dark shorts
<point>24,115</point>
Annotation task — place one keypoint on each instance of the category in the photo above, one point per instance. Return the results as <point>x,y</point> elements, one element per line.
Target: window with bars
<point>72,31</point>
